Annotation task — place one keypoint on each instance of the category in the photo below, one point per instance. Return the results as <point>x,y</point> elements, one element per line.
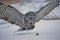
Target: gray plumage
<point>13,16</point>
<point>25,21</point>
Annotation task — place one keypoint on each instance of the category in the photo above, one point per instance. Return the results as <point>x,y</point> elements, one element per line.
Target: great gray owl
<point>24,21</point>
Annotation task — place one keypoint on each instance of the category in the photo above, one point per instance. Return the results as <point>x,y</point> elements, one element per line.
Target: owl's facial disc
<point>30,17</point>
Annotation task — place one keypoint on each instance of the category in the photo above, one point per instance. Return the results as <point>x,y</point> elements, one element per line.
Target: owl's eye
<point>31,18</point>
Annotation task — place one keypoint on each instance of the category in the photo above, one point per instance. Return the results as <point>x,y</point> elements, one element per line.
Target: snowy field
<point>48,30</point>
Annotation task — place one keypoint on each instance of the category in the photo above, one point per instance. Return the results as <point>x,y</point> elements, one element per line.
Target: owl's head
<point>30,17</point>
<point>29,20</point>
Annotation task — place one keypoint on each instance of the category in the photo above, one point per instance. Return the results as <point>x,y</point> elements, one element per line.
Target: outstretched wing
<point>54,14</point>
<point>45,10</point>
<point>11,14</point>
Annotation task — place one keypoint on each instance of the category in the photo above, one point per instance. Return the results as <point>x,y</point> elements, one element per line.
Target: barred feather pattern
<point>11,15</point>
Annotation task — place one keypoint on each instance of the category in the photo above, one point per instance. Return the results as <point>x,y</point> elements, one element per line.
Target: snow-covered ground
<point>48,30</point>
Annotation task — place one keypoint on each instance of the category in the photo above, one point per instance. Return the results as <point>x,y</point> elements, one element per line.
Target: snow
<point>48,30</point>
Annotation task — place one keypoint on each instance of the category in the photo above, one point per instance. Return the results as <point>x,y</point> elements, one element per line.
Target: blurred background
<point>47,30</point>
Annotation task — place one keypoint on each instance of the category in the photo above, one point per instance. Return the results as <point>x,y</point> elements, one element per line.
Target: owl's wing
<point>45,10</point>
<point>53,15</point>
<point>14,10</point>
<point>11,14</point>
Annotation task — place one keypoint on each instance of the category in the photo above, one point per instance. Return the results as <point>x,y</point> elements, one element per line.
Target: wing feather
<point>45,10</point>
<point>11,14</point>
